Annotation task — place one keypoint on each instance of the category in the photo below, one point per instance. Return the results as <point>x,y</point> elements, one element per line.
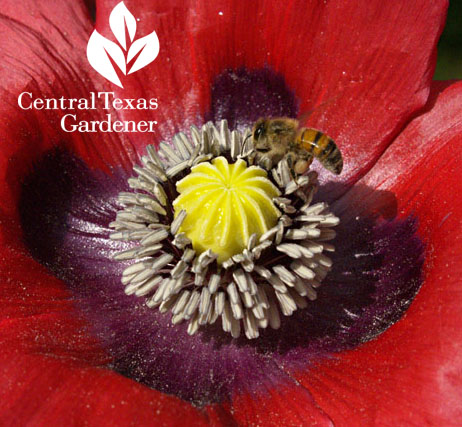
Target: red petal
<point>284,405</point>
<point>367,69</point>
<point>43,390</point>
<point>413,372</point>
<point>51,370</point>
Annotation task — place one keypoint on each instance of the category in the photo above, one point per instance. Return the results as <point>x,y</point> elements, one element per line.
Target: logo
<point>128,55</point>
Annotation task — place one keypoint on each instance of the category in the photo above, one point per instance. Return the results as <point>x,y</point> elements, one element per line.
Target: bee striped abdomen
<point>322,148</point>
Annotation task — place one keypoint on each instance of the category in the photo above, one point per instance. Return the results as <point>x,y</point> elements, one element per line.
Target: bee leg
<point>266,163</point>
<point>290,158</point>
<point>251,157</point>
<point>301,166</point>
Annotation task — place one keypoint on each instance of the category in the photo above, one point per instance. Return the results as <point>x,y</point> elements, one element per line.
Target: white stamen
<point>162,261</point>
<point>148,250</point>
<point>247,300</point>
<point>302,270</point>
<point>181,241</point>
<point>193,325</point>
<point>277,283</point>
<point>193,303</point>
<point>214,282</point>
<point>167,305</point>
<point>286,276</point>
<point>277,272</point>
<point>124,255</point>
<point>176,224</point>
<point>220,302</point>
<point>263,272</point>
<point>172,171</point>
<point>181,302</point>
<point>179,269</point>
<point>152,153</point>
<point>169,154</point>
<point>205,300</point>
<point>154,237</point>
<point>180,145</point>
<point>147,287</point>
<point>195,135</point>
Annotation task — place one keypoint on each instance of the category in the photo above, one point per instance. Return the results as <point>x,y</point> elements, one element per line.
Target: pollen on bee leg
<point>301,166</point>
<point>215,237</point>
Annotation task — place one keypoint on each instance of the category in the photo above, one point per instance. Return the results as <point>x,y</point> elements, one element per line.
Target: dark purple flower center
<point>243,96</point>
<point>66,208</point>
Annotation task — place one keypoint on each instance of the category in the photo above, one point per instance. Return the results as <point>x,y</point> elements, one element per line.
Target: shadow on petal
<point>376,274</point>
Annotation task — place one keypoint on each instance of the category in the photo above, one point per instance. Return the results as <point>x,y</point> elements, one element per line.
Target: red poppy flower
<point>381,343</point>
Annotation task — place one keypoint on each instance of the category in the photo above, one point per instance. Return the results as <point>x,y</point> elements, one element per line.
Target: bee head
<point>259,136</point>
<point>282,126</point>
<point>259,129</point>
<point>267,132</point>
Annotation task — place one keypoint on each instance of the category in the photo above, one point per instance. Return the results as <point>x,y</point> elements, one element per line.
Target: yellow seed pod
<point>225,204</point>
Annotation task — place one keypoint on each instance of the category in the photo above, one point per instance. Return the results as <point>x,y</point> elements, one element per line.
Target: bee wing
<point>305,115</point>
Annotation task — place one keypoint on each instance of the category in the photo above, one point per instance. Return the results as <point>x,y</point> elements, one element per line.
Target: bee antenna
<point>244,145</point>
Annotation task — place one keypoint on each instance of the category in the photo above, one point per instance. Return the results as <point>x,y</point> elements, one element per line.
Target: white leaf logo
<point>120,19</point>
<point>99,50</point>
<point>149,48</point>
<point>102,53</point>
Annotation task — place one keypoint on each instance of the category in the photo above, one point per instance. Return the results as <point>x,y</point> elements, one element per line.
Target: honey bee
<point>279,138</point>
